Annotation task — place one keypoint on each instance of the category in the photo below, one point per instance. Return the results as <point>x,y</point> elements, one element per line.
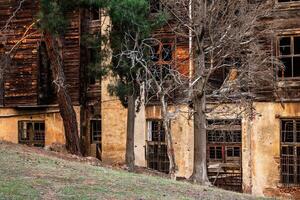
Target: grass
<point>30,174</point>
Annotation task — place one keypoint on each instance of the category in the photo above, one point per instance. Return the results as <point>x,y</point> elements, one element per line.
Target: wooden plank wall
<point>21,78</point>
<point>71,57</point>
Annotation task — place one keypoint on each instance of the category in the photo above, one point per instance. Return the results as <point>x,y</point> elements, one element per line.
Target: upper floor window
<point>162,57</point>
<point>289,55</point>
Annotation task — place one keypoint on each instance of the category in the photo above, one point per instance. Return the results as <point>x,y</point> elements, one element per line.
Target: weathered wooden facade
<point>27,87</point>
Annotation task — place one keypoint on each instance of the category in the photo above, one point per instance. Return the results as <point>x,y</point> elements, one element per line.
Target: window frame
<point>221,127</point>
<point>292,55</point>
<point>160,160</point>
<point>99,135</point>
<point>285,158</point>
<point>32,139</point>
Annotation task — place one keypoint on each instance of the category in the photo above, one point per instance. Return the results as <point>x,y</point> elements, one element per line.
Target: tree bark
<point>67,112</point>
<point>129,157</point>
<point>170,148</point>
<point>200,163</point>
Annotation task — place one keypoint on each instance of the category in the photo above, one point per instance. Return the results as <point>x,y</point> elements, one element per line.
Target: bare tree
<point>163,84</point>
<point>228,59</point>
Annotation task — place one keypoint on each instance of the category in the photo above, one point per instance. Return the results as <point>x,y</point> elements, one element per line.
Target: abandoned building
<point>29,112</point>
<point>261,157</point>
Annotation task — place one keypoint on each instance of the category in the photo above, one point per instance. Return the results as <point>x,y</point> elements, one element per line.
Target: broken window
<point>224,142</point>
<point>32,133</point>
<point>290,152</point>
<point>162,55</point>
<point>289,55</point>
<point>157,157</point>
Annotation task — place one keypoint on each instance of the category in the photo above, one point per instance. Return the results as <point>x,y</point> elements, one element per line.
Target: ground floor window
<point>32,133</point>
<point>95,129</point>
<point>224,142</point>
<point>290,152</point>
<point>156,153</point>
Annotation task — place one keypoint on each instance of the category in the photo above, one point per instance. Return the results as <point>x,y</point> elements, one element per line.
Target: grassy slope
<point>26,174</point>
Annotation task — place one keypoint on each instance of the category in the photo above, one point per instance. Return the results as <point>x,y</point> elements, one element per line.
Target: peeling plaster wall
<point>54,130</point>
<point>183,138</point>
<point>114,126</point>
<point>140,137</point>
<point>265,147</point>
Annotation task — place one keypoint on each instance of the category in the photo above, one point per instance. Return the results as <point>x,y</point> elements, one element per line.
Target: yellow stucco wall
<point>183,137</point>
<point>54,130</point>
<point>114,126</point>
<point>265,146</point>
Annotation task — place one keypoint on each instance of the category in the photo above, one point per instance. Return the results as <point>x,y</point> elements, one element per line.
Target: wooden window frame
<point>36,138</point>
<point>291,56</point>
<point>92,131</point>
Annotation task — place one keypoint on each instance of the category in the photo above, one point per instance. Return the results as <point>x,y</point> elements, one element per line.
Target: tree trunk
<point>67,112</point>
<point>129,157</point>
<point>200,163</point>
<point>170,149</point>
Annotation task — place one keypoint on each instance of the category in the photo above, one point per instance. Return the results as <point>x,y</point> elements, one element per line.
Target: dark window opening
<point>290,152</point>
<point>95,13</point>
<point>289,55</point>
<point>167,52</point>
<point>157,156</point>
<point>215,153</point>
<point>95,125</point>
<point>96,136</point>
<point>32,133</point>
<point>46,87</point>
<point>233,152</point>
